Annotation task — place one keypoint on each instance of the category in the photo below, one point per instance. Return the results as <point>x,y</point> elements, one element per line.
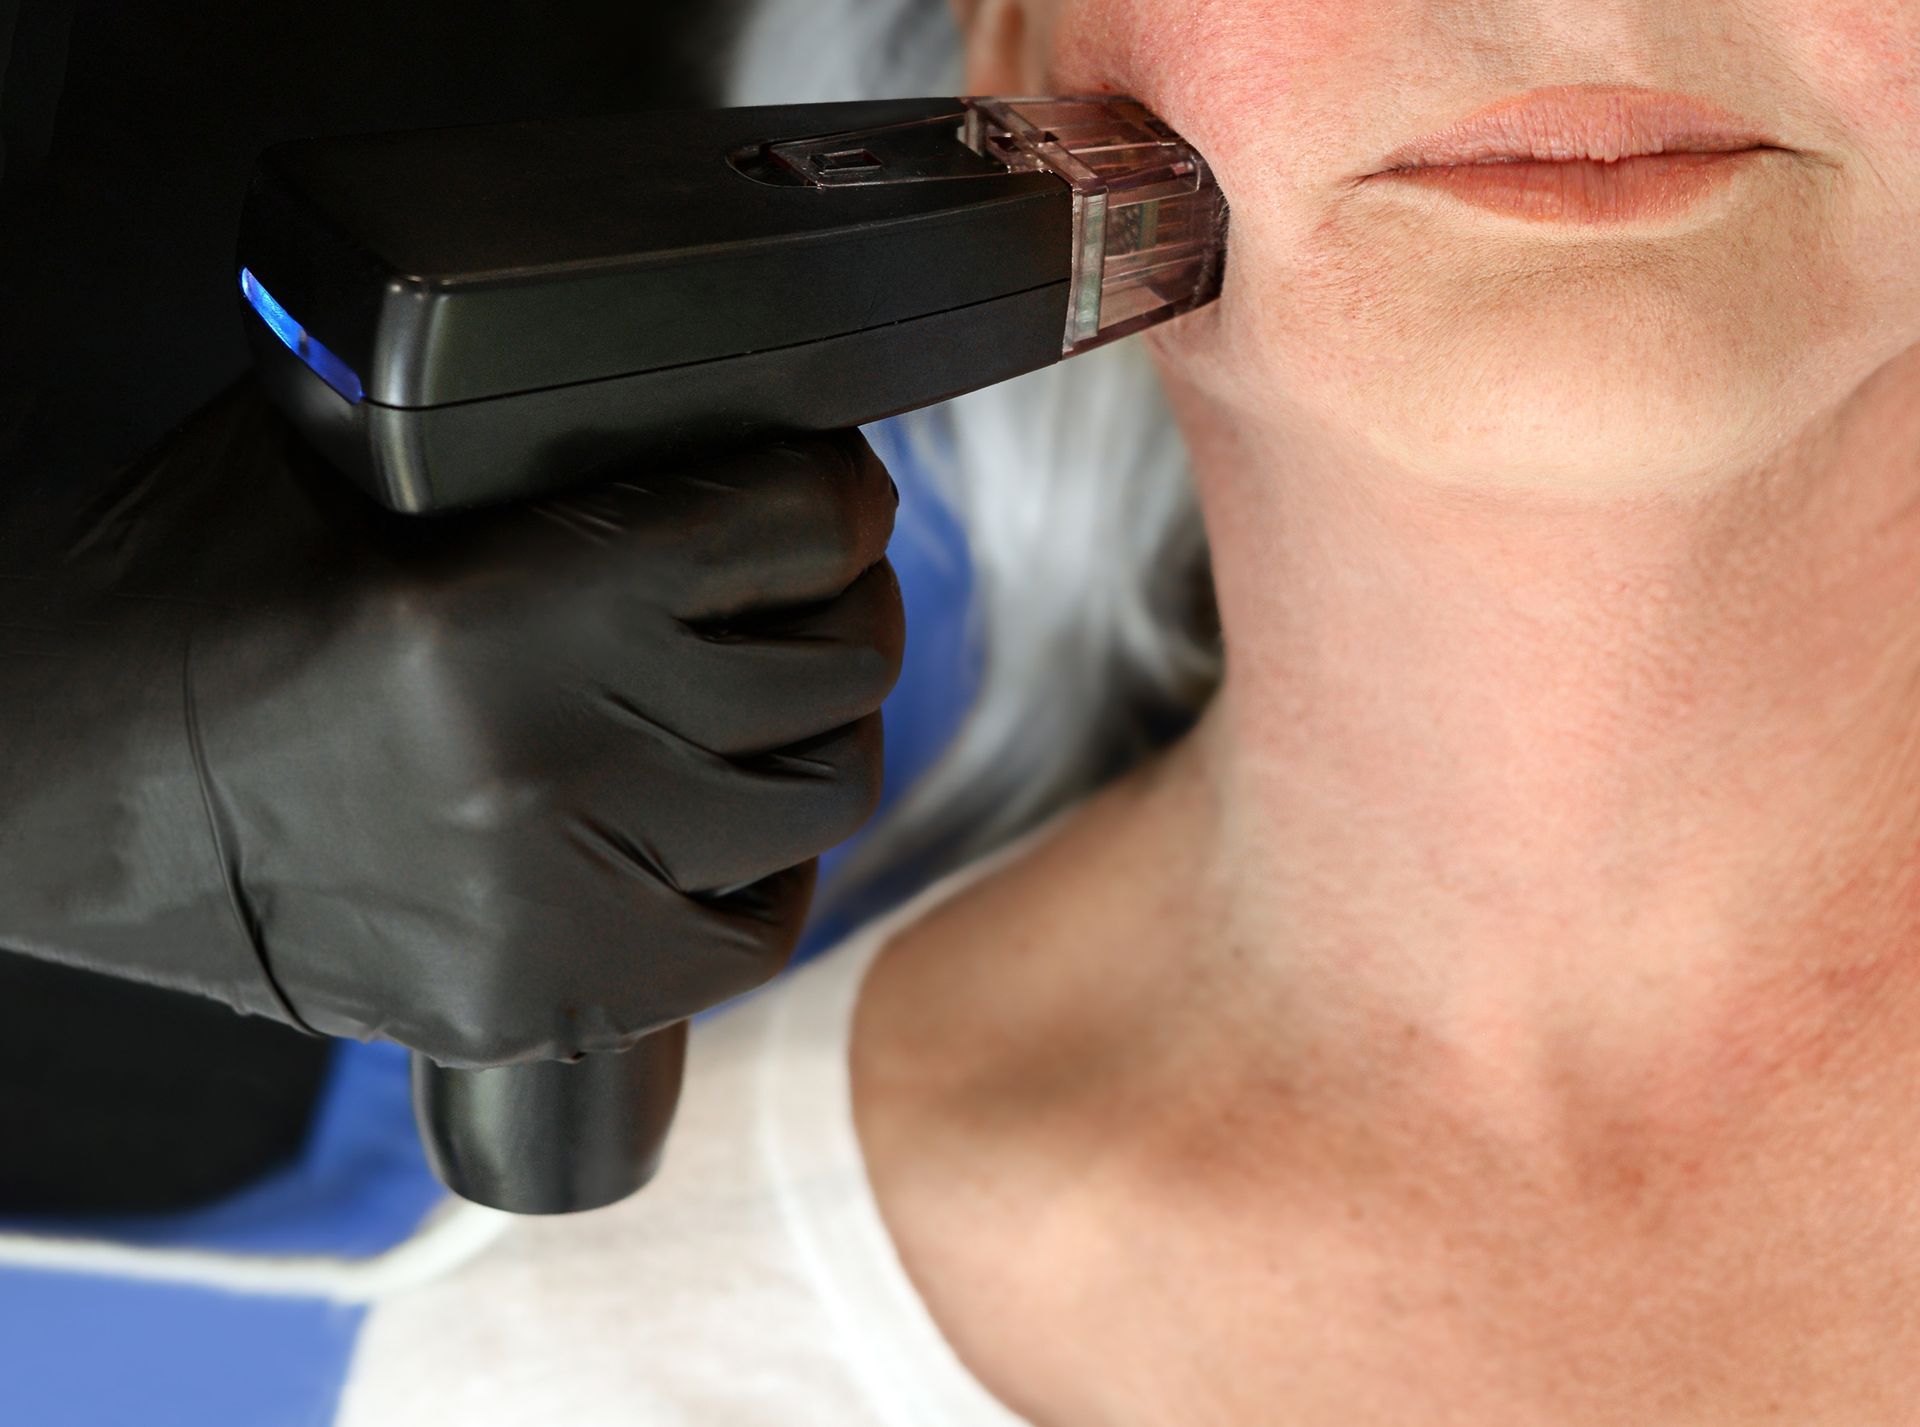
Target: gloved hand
<point>501,786</point>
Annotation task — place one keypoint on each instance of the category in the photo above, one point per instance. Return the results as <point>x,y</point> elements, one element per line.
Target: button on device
<point>845,161</point>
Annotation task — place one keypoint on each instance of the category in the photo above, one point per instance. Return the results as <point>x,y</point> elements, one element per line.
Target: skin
<point>1505,1006</point>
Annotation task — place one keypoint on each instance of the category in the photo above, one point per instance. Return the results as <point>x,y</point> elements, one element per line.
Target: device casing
<point>527,305</point>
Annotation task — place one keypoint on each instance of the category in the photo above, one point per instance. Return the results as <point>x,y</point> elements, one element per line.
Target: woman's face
<point>1386,321</point>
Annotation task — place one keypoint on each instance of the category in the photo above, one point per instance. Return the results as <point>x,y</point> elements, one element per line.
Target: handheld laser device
<point>457,317</point>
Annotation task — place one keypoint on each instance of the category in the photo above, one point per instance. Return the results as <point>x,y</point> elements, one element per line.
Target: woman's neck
<point>1578,791</point>
<point>1530,927</point>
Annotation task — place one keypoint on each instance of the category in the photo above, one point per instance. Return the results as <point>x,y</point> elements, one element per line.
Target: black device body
<point>528,305</point>
<point>463,316</point>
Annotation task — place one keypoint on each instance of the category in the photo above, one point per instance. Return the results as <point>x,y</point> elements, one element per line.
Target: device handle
<point>552,1137</point>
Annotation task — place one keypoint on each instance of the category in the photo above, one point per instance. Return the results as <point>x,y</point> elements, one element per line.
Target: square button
<point>845,161</point>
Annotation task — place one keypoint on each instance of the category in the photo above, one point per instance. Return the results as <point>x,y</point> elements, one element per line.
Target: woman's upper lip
<point>1605,123</point>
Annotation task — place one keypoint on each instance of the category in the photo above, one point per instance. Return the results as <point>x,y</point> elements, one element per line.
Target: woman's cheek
<point>1173,48</point>
<point>1856,64</point>
<point>1239,80</point>
<point>1863,58</point>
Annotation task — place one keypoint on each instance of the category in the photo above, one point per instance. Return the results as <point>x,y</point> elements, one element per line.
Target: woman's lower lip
<point>1584,191</point>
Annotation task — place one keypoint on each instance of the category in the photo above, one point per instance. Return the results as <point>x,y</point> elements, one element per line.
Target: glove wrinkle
<point>244,913</point>
<point>629,855</point>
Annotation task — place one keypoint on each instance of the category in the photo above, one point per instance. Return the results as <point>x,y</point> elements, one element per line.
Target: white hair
<point>1091,604</point>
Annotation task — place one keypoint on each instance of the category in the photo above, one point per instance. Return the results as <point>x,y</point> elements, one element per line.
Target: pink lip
<point>1569,123</point>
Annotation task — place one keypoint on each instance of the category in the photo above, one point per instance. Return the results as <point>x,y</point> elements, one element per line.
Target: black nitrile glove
<point>501,786</point>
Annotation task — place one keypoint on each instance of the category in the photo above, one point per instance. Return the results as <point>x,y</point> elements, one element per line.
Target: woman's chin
<point>1590,409</point>
<point>1570,452</point>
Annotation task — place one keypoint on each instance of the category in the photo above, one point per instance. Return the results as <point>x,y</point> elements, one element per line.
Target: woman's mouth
<point>1584,154</point>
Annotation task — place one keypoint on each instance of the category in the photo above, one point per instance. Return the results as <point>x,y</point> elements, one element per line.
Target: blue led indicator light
<point>329,368</point>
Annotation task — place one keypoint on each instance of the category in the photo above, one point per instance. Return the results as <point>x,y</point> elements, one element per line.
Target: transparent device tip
<point>1149,223</point>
